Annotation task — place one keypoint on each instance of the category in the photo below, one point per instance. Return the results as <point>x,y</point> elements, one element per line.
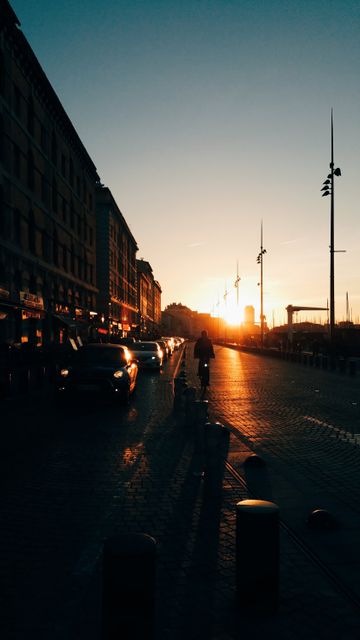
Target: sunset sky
<point>205,118</point>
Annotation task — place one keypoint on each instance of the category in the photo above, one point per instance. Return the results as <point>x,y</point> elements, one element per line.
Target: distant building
<point>148,300</point>
<point>249,316</point>
<point>116,273</point>
<point>47,203</point>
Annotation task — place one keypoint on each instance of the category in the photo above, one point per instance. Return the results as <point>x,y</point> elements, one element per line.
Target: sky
<point>205,118</point>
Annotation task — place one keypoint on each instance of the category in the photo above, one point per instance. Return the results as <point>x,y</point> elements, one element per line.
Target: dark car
<point>102,369</point>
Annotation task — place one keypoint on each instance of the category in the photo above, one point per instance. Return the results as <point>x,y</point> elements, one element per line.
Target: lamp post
<point>260,260</point>
<point>328,189</point>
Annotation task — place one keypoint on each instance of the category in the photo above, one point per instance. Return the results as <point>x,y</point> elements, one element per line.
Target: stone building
<point>47,203</point>
<point>116,272</point>
<point>149,300</point>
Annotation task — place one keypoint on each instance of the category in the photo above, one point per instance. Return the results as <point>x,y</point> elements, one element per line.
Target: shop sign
<point>62,308</point>
<point>31,300</point>
<point>103,331</point>
<point>4,293</point>
<point>26,314</point>
<point>79,313</point>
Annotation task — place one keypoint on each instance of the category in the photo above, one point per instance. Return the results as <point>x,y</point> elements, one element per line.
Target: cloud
<point>196,244</point>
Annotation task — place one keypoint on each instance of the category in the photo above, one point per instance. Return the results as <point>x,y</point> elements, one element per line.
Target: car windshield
<point>110,357</point>
<point>146,346</point>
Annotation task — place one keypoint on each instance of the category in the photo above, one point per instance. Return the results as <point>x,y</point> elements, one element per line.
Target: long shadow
<point>197,556</point>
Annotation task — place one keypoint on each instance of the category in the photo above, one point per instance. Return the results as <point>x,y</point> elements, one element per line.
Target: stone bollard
<point>216,436</point>
<point>257,554</point>
<point>189,397</point>
<point>342,365</point>
<point>324,362</point>
<point>128,598</point>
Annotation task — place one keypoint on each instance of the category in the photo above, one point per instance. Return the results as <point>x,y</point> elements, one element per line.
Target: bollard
<point>257,554</point>
<point>179,386</point>
<point>200,412</point>
<point>352,367</point>
<point>305,359</point>
<point>342,365</point>
<point>216,436</point>
<point>324,362</point>
<point>317,361</point>
<point>128,598</point>
<point>189,396</point>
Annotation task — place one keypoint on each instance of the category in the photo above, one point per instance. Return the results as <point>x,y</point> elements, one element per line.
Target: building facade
<point>149,301</point>
<point>47,203</point>
<point>116,273</point>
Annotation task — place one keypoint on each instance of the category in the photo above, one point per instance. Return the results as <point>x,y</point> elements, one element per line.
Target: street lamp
<point>260,260</point>
<point>328,189</point>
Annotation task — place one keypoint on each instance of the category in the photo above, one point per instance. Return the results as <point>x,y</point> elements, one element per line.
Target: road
<point>64,474</point>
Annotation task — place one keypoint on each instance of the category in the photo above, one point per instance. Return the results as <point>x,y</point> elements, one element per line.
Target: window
<point>72,215</point>
<point>30,170</point>
<point>43,137</point>
<point>64,209</point>
<point>30,115</point>
<point>2,212</point>
<point>71,173</point>
<point>54,196</point>
<point>54,149</point>
<point>17,161</point>
<point>31,236</point>
<point>17,226</point>
<point>55,248</point>
<point>2,73</point>
<point>2,139</point>
<point>17,101</point>
<point>72,259</point>
<point>91,236</point>
<point>65,258</point>
<point>63,165</point>
<point>44,189</point>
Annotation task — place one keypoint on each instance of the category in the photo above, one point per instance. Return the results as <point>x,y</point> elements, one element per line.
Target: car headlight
<point>118,374</point>
<point>64,372</point>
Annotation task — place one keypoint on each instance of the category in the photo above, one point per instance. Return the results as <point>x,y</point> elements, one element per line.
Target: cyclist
<point>203,351</point>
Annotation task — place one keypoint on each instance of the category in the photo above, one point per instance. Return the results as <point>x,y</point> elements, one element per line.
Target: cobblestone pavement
<point>71,479</point>
<point>302,422</point>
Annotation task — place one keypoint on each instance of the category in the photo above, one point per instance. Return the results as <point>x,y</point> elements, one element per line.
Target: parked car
<point>170,342</point>
<point>148,354</point>
<point>103,369</point>
<point>164,348</point>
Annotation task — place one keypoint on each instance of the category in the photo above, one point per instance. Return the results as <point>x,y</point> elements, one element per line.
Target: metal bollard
<point>324,362</point>
<point>128,599</point>
<point>257,554</point>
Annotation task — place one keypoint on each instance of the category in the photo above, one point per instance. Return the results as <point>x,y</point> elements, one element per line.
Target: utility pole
<point>260,260</point>
<point>328,189</point>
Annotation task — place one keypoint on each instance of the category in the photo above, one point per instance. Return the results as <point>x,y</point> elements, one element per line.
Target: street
<point>74,476</point>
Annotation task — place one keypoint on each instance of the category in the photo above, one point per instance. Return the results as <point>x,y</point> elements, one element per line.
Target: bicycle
<point>204,374</point>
